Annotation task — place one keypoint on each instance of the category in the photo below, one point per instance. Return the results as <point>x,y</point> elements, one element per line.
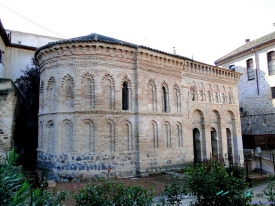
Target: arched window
<point>111,136</point>
<point>250,69</point>
<point>217,97</point>
<point>271,62</point>
<point>232,68</point>
<point>50,139</point>
<point>66,143</point>
<point>179,134</point>
<point>155,135</point>
<point>209,96</point>
<point>177,99</point>
<point>130,145</point>
<point>164,100</point>
<point>88,92</point>
<point>168,135</point>
<point>68,91</point>
<point>152,95</point>
<point>109,92</point>
<point>51,94</point>
<point>88,139</point>
<point>125,96</point>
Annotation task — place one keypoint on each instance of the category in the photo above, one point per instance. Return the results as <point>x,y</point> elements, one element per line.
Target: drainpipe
<point>256,70</point>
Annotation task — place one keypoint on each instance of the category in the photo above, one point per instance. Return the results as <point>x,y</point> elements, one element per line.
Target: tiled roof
<point>101,38</point>
<point>248,47</point>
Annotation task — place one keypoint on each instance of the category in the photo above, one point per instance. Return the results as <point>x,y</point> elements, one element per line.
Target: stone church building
<point>107,103</point>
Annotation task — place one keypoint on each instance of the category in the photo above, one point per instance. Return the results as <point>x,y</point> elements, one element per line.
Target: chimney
<point>247,40</point>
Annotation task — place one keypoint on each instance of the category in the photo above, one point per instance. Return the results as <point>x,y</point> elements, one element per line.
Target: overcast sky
<point>204,29</point>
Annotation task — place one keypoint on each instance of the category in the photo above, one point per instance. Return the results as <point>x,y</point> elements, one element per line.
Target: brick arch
<point>66,134</point>
<point>50,136</point>
<point>167,134</point>
<point>152,95</point>
<point>51,81</point>
<point>165,85</point>
<point>88,134</point>
<point>197,107</point>
<point>108,91</point>
<point>109,77</point>
<point>216,133</point>
<point>88,91</point>
<point>125,78</point>
<point>110,133</point>
<point>51,95</point>
<point>198,130</point>
<point>153,134</point>
<point>128,136</point>
<point>179,133</point>
<point>66,78</point>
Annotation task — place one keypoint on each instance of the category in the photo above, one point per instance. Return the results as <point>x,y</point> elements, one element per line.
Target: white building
<point>255,60</point>
<point>16,51</point>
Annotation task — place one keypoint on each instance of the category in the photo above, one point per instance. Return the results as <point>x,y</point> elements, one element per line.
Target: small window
<point>273,92</point>
<point>250,69</point>
<point>125,96</point>
<point>164,99</point>
<point>232,68</point>
<point>271,63</point>
<point>0,56</point>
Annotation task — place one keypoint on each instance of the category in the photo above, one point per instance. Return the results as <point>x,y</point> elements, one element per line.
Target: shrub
<point>270,190</point>
<point>174,192</point>
<point>213,185</point>
<point>106,192</point>
<point>16,191</point>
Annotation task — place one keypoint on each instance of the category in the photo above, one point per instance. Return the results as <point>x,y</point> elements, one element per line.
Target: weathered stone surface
<point>171,103</point>
<point>51,183</point>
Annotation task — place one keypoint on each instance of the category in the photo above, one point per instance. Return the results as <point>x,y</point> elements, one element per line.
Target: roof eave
<point>4,35</point>
<point>221,61</point>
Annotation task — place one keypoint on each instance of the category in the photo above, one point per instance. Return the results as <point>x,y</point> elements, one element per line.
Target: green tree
<point>28,84</point>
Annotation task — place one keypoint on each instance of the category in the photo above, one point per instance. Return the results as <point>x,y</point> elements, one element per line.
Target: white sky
<point>204,29</point>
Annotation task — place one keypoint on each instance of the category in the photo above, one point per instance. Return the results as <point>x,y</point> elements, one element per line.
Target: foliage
<point>213,185</point>
<point>270,191</point>
<point>16,191</point>
<point>106,192</point>
<point>174,192</point>
<point>28,84</point>
<point>238,172</point>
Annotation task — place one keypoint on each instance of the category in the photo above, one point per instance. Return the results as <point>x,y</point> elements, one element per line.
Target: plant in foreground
<point>16,191</point>
<point>106,192</point>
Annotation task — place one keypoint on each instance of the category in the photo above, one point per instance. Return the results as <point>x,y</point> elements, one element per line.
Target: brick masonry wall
<point>83,130</point>
<point>8,112</point>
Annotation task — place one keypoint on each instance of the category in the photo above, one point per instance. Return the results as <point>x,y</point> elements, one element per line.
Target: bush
<point>106,192</point>
<point>16,191</point>
<point>213,185</point>
<point>174,192</point>
<point>270,190</point>
<point>236,171</point>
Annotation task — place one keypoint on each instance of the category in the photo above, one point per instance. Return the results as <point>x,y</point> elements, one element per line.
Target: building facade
<point>107,103</point>
<point>256,62</point>
<point>16,51</point>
